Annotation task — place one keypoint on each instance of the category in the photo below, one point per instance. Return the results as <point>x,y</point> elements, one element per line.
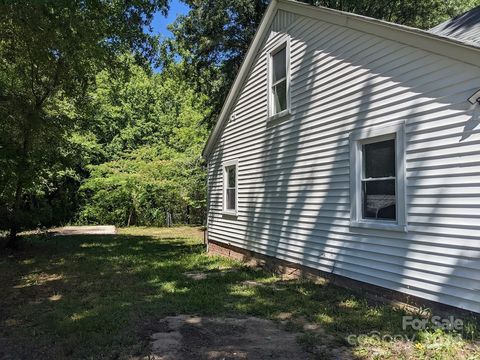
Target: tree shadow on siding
<point>455,272</point>
<point>451,274</point>
<point>215,188</point>
<point>281,219</point>
<point>471,125</point>
<point>298,214</point>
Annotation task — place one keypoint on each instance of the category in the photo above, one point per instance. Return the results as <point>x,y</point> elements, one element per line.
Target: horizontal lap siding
<point>294,185</point>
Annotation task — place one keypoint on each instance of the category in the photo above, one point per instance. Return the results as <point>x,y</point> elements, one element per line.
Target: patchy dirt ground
<point>191,337</point>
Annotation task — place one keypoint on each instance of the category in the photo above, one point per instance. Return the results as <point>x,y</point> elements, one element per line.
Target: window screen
<point>231,187</point>
<point>279,80</point>
<point>379,180</point>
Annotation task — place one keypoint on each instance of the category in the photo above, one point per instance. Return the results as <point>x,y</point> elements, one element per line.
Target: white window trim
<point>283,42</point>
<point>369,135</point>
<point>224,206</point>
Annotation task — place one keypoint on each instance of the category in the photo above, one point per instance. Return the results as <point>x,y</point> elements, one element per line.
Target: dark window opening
<point>231,188</point>
<point>379,180</point>
<point>279,80</point>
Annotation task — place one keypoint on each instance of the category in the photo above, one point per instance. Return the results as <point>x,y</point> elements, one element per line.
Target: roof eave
<point>422,39</point>
<point>404,34</point>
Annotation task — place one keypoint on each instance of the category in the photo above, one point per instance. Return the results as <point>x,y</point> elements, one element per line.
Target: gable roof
<point>465,27</point>
<point>423,39</point>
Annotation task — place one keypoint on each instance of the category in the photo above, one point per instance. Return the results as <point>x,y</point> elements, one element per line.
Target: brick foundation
<point>375,293</point>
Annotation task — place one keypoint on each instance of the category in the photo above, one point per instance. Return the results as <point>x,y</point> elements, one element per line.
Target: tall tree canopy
<point>49,52</point>
<point>214,35</point>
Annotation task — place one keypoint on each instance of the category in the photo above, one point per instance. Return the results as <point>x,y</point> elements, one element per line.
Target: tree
<point>213,39</point>
<point>214,36</point>
<point>150,128</point>
<point>50,51</point>
<point>143,188</point>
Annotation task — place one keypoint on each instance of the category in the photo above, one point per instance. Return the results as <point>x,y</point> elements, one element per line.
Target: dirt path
<point>191,337</point>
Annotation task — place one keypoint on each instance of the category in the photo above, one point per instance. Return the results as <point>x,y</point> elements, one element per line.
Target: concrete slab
<point>186,337</point>
<point>85,230</point>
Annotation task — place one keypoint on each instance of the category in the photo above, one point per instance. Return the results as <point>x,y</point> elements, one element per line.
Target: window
<point>230,181</point>
<point>279,82</point>
<point>378,178</point>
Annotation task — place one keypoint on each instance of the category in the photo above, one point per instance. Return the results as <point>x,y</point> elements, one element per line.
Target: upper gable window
<point>279,81</point>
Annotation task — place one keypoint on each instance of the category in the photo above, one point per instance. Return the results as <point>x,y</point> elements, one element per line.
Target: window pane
<point>280,97</point>
<point>231,176</point>
<point>230,199</point>
<point>379,159</point>
<point>379,199</point>
<point>279,62</point>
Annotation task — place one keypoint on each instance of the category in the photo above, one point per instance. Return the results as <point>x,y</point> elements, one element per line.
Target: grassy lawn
<point>90,297</point>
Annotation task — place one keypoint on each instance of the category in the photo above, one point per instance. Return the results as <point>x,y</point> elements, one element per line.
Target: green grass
<point>91,297</point>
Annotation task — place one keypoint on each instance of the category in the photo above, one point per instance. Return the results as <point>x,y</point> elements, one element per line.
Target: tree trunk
<point>12,242</point>
<point>21,167</point>
<point>129,218</point>
<point>132,217</point>
<point>13,238</point>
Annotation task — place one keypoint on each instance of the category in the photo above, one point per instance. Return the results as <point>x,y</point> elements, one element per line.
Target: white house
<point>349,145</point>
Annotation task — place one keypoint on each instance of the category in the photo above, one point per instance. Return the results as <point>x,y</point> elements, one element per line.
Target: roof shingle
<point>465,27</point>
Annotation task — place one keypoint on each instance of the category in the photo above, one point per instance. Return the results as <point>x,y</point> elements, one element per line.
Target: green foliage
<point>151,134</point>
<point>213,39</point>
<point>49,52</point>
<point>35,156</point>
<point>142,188</point>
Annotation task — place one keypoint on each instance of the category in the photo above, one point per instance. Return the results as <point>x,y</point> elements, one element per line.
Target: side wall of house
<point>294,186</point>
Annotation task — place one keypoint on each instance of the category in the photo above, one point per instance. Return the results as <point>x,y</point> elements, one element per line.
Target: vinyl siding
<point>294,182</point>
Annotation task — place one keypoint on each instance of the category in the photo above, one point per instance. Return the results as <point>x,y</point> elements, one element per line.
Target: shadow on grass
<point>100,296</point>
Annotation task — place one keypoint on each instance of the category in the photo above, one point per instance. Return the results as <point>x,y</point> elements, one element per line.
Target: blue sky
<point>159,23</point>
